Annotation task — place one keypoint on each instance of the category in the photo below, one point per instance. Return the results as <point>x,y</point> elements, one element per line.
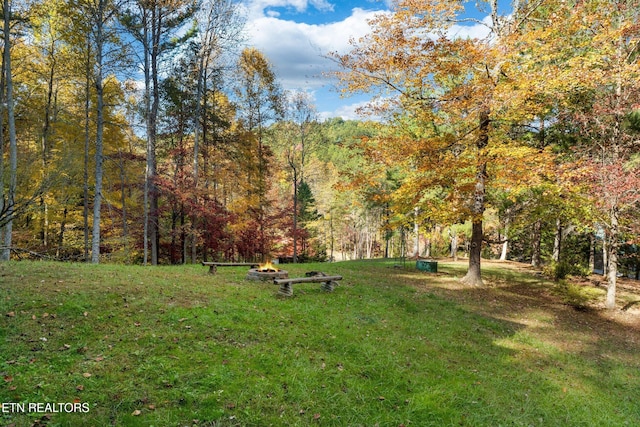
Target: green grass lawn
<point>175,346</point>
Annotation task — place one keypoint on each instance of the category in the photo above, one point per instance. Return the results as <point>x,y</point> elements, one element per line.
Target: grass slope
<point>174,346</point>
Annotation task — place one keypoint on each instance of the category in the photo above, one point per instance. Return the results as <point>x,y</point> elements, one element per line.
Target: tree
<point>153,24</point>
<point>102,41</point>
<point>260,103</point>
<point>219,25</point>
<point>450,100</point>
<point>304,120</point>
<point>587,57</point>
<point>9,203</point>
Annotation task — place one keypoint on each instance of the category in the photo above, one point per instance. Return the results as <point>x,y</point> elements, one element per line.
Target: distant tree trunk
<point>123,200</point>
<point>536,259</point>
<point>13,146</point>
<point>183,234</point>
<point>505,245</point>
<point>592,252</point>
<point>416,232</point>
<point>295,208</point>
<point>427,245</point>
<point>63,225</point>
<point>331,237</point>
<point>605,255</point>
<point>387,232</point>
<point>46,129</point>
<point>557,241</point>
<point>174,230</point>
<point>614,245</point>
<point>453,250</point>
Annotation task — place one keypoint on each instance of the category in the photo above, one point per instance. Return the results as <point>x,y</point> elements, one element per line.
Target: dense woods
<point>138,132</point>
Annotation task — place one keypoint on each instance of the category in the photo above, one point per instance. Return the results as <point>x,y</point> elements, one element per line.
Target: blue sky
<point>296,34</point>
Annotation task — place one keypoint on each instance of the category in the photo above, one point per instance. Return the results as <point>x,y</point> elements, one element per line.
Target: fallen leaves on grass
<point>136,413</point>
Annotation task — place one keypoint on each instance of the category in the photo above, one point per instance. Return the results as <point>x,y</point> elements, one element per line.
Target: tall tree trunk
<point>45,146</point>
<point>147,110</point>
<point>87,135</point>
<point>196,145</point>
<point>154,235</point>
<point>473,276</point>
<point>13,146</point>
<point>2,177</point>
<point>97,197</point>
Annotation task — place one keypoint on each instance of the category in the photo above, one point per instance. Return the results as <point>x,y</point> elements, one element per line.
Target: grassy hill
<point>175,346</point>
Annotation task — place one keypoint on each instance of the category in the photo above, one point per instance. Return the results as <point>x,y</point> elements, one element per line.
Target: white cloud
<point>298,50</point>
<point>347,111</point>
<point>256,8</point>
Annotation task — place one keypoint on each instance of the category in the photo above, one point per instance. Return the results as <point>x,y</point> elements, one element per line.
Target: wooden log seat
<point>213,266</point>
<point>328,282</point>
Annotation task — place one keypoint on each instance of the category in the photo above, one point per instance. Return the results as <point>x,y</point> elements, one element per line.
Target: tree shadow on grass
<point>579,361</point>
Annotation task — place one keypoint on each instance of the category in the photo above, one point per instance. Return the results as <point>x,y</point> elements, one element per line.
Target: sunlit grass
<point>390,346</point>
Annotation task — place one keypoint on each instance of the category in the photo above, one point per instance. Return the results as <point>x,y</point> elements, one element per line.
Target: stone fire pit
<point>267,273</point>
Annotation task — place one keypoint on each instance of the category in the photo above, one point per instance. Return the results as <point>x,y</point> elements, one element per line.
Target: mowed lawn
<point>391,346</point>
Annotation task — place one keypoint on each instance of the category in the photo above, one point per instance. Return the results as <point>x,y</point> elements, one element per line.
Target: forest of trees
<point>138,132</point>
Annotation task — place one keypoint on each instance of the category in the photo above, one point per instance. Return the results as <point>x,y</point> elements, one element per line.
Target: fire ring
<point>266,275</point>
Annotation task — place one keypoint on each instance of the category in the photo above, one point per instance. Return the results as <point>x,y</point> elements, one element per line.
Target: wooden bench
<point>213,266</point>
<point>328,282</point>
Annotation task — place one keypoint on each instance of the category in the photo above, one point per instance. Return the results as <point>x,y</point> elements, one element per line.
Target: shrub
<point>561,270</point>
